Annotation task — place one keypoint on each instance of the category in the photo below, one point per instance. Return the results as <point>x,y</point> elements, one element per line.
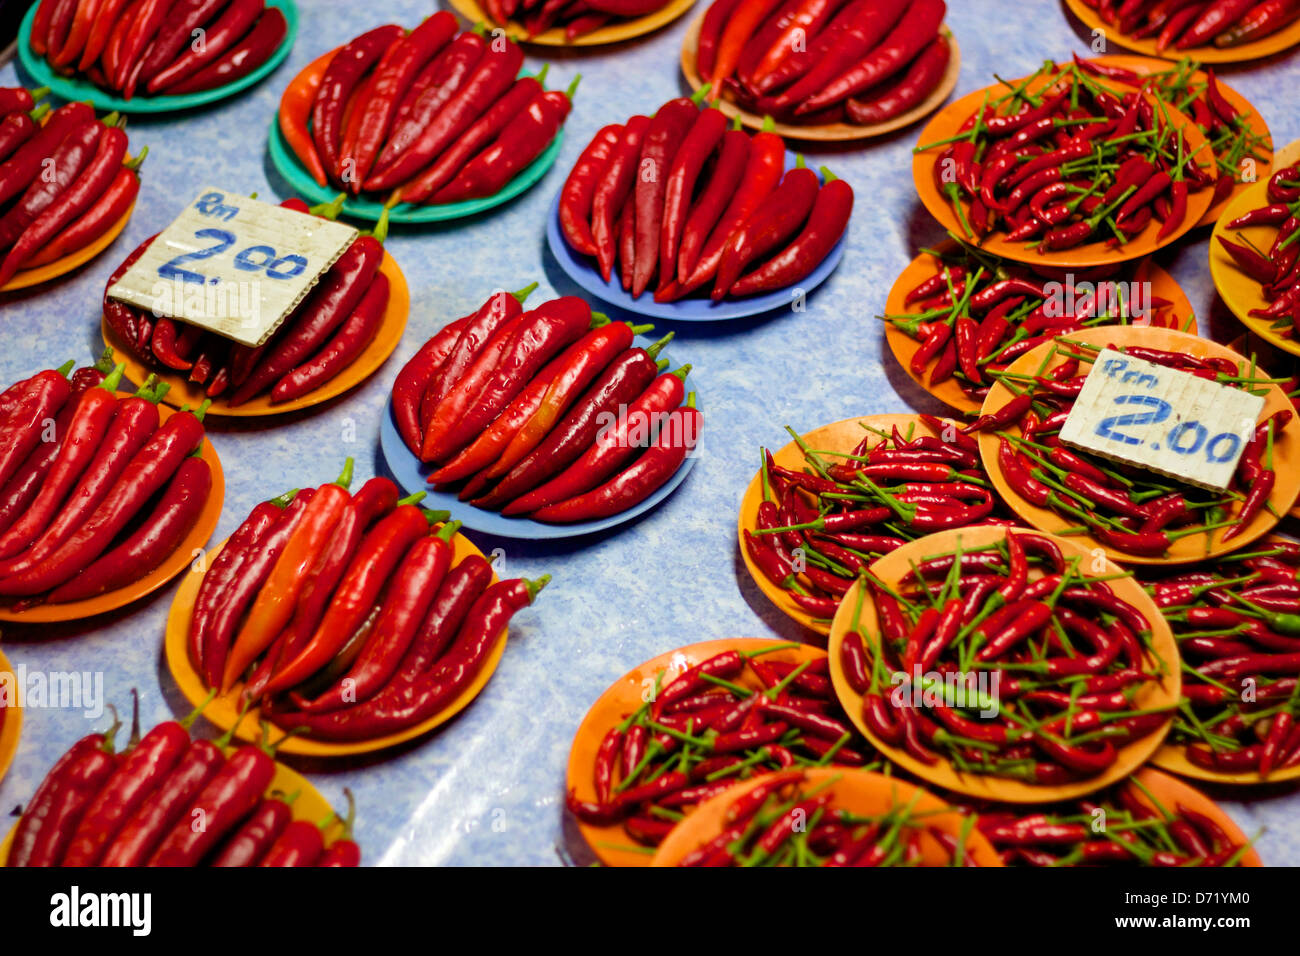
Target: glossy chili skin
<point>580,188</point>
<point>612,190</point>
<point>780,217</point>
<point>610,450</point>
<point>663,137</point>
<point>459,589</point>
<point>484,131</point>
<point>241,59</point>
<point>42,397</point>
<point>632,486</point>
<point>414,378</point>
<point>826,224</point>
<point>704,134</point>
<point>299,844</point>
<point>378,555</point>
<point>529,132</point>
<point>250,843</point>
<point>151,543</point>
<point>341,77</point>
<point>225,800</point>
<point>34,833</point>
<point>401,706</point>
<point>347,344</point>
<point>140,772</point>
<point>146,473</point>
<point>414,587</point>
<point>726,179</point>
<point>327,306</point>
<point>233,22</point>
<point>905,93</point>
<point>619,384</point>
<point>65,163</point>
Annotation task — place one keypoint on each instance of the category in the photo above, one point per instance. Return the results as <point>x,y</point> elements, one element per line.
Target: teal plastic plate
<point>288,166</point>
<point>70,88</point>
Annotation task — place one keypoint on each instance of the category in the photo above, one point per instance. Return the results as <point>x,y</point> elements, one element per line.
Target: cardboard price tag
<point>233,265</point>
<point>1167,421</point>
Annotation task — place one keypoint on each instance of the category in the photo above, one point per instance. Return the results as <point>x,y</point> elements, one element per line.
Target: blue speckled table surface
<point>487,789</point>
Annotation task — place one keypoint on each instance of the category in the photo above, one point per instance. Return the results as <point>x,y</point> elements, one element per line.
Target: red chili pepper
<point>659,463</point>
<point>909,36</point>
<point>233,22</point>
<point>461,587</point>
<point>579,190</point>
<point>152,542</point>
<point>402,706</point>
<point>38,839</point>
<point>414,585</point>
<point>223,802</point>
<point>300,844</point>
<point>781,216</point>
<point>612,191</point>
<point>409,152</point>
<point>826,223</point>
<point>487,129</point>
<point>659,147</point>
<point>905,93</point>
<point>349,341</point>
<point>329,303</point>
<point>250,843</point>
<point>520,142</point>
<point>1261,20</point>
<point>620,383</point>
<point>46,177</point>
<point>243,58</point>
<point>542,333</point>
<point>1215,18</point>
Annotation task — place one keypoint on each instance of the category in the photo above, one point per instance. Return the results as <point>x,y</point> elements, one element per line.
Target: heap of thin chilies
<point>817,529</point>
<point>1238,630</point>
<point>726,718</point>
<point>1052,664</point>
<point>1063,159</point>
<point>976,314</point>
<point>785,822</point>
<point>1124,508</point>
<point>1278,270</point>
<point>1114,828</point>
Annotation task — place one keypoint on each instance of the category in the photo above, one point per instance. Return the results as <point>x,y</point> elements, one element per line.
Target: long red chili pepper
<point>151,543</point>
<point>663,137</point>
<point>250,843</point>
<point>243,58</point>
<point>826,224</point>
<point>36,835</point>
<point>612,191</point>
<point>580,189</point>
<point>781,216</point>
<point>233,22</point>
<point>399,707</point>
<point>484,133</point>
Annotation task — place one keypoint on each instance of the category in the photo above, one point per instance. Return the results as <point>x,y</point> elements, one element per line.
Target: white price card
<point>1161,419</point>
<point>233,265</point>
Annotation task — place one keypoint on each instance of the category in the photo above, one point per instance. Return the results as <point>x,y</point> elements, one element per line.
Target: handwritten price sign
<point>233,265</point>
<point>1164,420</point>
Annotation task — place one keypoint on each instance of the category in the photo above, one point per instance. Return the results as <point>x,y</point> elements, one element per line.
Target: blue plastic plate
<point>287,164</point>
<point>409,473</point>
<point>70,88</point>
<point>696,308</point>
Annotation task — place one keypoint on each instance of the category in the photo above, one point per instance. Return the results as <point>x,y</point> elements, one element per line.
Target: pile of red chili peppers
<point>976,314</point>
<point>1187,24</point>
<point>94,492</point>
<point>137,807</point>
<point>824,61</point>
<point>1049,662</point>
<point>431,115</point>
<point>1062,159</point>
<point>324,335</point>
<point>784,821</point>
<point>1277,270</point>
<point>147,46</point>
<point>1236,146</point>
<point>343,613</point>
<point>1126,825</point>
<point>552,413</point>
<point>577,17</point>
<point>1128,509</point>
<point>816,529</point>
<point>1238,628</point>
<point>65,179</point>
<point>724,719</point>
<point>678,201</point>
